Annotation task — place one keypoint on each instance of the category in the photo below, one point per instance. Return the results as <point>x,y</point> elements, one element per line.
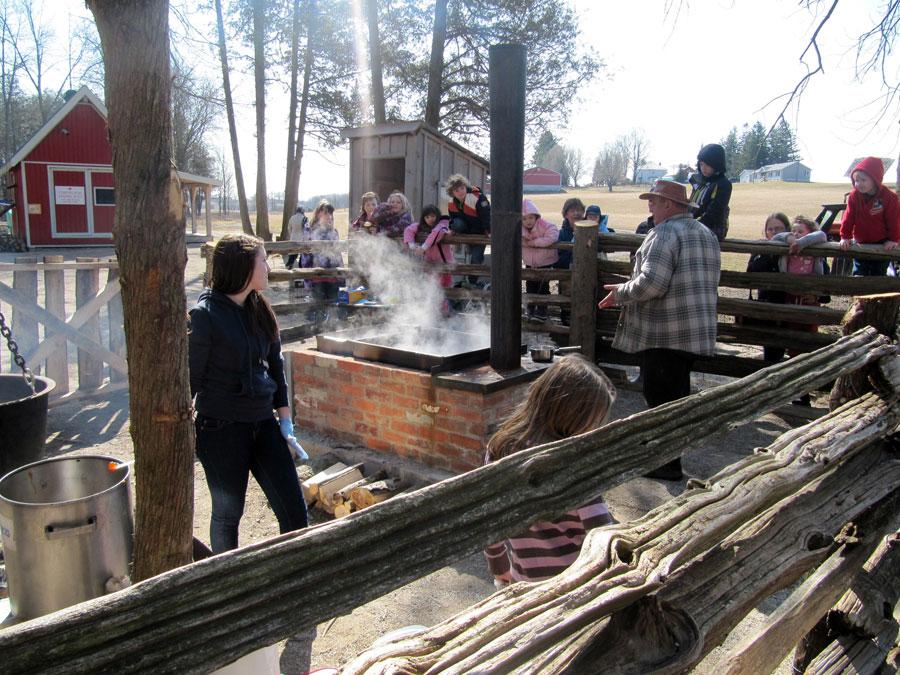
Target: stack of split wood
<point>340,489</point>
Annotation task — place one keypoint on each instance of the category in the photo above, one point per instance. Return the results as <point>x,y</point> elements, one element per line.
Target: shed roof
<point>406,127</point>
<point>81,95</point>
<point>781,165</point>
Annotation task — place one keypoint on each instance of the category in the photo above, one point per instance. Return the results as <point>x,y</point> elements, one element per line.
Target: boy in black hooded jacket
<point>712,190</point>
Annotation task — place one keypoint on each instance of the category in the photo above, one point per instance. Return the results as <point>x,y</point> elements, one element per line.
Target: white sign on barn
<point>69,194</point>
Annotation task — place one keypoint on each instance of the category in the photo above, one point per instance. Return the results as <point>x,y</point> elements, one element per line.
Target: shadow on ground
<point>84,424</point>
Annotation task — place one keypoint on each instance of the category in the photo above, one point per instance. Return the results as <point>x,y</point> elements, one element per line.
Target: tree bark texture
<point>290,185</point>
<point>585,290</point>
<point>378,108</point>
<point>152,255</point>
<point>259,78</point>
<point>436,65</point>
<point>880,311</point>
<point>863,613</point>
<point>766,648</point>
<point>209,613</point>
<point>246,226</point>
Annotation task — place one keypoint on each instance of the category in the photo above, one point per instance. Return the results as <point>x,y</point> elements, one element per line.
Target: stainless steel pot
<point>67,532</point>
<point>546,354</point>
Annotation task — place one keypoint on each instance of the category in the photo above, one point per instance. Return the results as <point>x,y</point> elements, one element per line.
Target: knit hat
<point>714,155</point>
<point>592,210</point>
<point>528,207</point>
<point>871,166</point>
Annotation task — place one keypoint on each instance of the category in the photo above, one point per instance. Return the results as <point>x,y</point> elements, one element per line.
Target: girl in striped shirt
<point>572,397</point>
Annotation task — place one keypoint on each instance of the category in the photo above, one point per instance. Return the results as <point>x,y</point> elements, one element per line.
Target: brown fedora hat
<point>668,189</point>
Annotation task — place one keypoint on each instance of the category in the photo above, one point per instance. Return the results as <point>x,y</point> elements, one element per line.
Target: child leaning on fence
<point>804,232</point>
<point>572,397</point>
<point>432,249</point>
<point>776,223</point>
<point>872,216</point>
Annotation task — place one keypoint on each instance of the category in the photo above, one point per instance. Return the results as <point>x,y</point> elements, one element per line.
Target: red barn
<point>61,182</point>
<point>539,179</point>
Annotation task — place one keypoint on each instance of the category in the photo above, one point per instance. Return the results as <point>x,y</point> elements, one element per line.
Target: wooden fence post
<point>584,288</point>
<point>24,328</point>
<point>878,311</point>
<point>57,368</point>
<point>87,285</point>
<point>116,325</point>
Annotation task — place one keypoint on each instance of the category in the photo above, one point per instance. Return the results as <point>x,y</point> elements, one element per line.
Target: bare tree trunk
<point>290,185</point>
<point>375,59</point>
<point>308,63</point>
<point>259,70</point>
<point>232,126</point>
<point>436,66</point>
<point>152,256</point>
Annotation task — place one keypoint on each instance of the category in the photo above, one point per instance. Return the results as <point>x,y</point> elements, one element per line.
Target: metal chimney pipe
<point>507,91</point>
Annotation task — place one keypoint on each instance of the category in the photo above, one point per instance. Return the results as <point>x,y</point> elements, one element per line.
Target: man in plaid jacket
<point>669,304</point>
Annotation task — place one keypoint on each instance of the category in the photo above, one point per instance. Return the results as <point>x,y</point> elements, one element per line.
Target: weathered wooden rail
<point>74,310</point>
<point>207,614</point>
<point>737,315</point>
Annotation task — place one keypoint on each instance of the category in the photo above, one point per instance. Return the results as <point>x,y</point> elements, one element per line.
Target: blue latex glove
<point>287,433</point>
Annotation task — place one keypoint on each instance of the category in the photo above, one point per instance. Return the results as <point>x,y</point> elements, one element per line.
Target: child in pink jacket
<point>537,236</point>
<point>432,250</point>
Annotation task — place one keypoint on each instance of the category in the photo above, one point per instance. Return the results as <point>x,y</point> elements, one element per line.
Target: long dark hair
<point>573,396</point>
<point>233,260</point>
<point>429,210</point>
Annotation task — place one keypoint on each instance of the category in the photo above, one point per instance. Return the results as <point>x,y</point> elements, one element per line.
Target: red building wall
<point>79,143</point>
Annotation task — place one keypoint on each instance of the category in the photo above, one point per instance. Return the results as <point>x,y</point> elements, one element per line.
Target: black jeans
<point>229,453</point>
<point>666,374</point>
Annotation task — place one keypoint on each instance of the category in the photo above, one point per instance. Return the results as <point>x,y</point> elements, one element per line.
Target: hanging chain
<point>14,350</point>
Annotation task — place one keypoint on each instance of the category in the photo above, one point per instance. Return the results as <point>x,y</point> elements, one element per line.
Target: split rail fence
<point>66,326</point>
<point>653,595</point>
<point>739,316</point>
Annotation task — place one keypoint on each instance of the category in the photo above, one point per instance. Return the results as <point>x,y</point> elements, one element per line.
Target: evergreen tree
<point>754,147</point>
<point>782,145</point>
<point>733,159</point>
<point>545,143</point>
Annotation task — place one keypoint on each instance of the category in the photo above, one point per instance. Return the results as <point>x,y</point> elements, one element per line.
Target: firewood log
<point>375,492</point>
<point>343,510</point>
<point>310,486</point>
<point>344,493</point>
<point>330,485</point>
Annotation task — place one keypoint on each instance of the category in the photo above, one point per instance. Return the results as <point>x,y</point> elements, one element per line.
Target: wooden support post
<point>87,285</point>
<point>207,191</point>
<point>878,311</point>
<point>584,288</point>
<point>57,368</point>
<point>507,92</point>
<point>25,328</point>
<point>116,325</point>
<point>193,209</point>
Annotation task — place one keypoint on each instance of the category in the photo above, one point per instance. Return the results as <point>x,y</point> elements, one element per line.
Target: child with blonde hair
<point>572,397</point>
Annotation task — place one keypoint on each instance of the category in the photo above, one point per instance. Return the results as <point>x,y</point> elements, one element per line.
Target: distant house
<point>649,174</point>
<point>539,179</point>
<point>792,172</point>
<point>60,183</point>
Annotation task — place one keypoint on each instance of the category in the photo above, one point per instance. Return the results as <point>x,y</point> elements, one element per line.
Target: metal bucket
<point>67,532</point>
<point>23,420</point>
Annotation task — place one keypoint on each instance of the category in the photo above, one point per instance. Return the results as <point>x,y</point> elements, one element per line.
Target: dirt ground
<point>102,427</point>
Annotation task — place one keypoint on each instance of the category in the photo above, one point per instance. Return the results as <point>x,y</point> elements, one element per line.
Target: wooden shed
<point>60,183</point>
<point>410,157</point>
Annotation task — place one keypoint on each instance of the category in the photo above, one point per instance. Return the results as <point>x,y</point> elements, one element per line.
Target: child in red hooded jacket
<point>872,216</point>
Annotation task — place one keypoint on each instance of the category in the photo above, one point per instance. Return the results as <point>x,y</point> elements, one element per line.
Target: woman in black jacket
<point>238,386</point>
<point>712,190</point>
